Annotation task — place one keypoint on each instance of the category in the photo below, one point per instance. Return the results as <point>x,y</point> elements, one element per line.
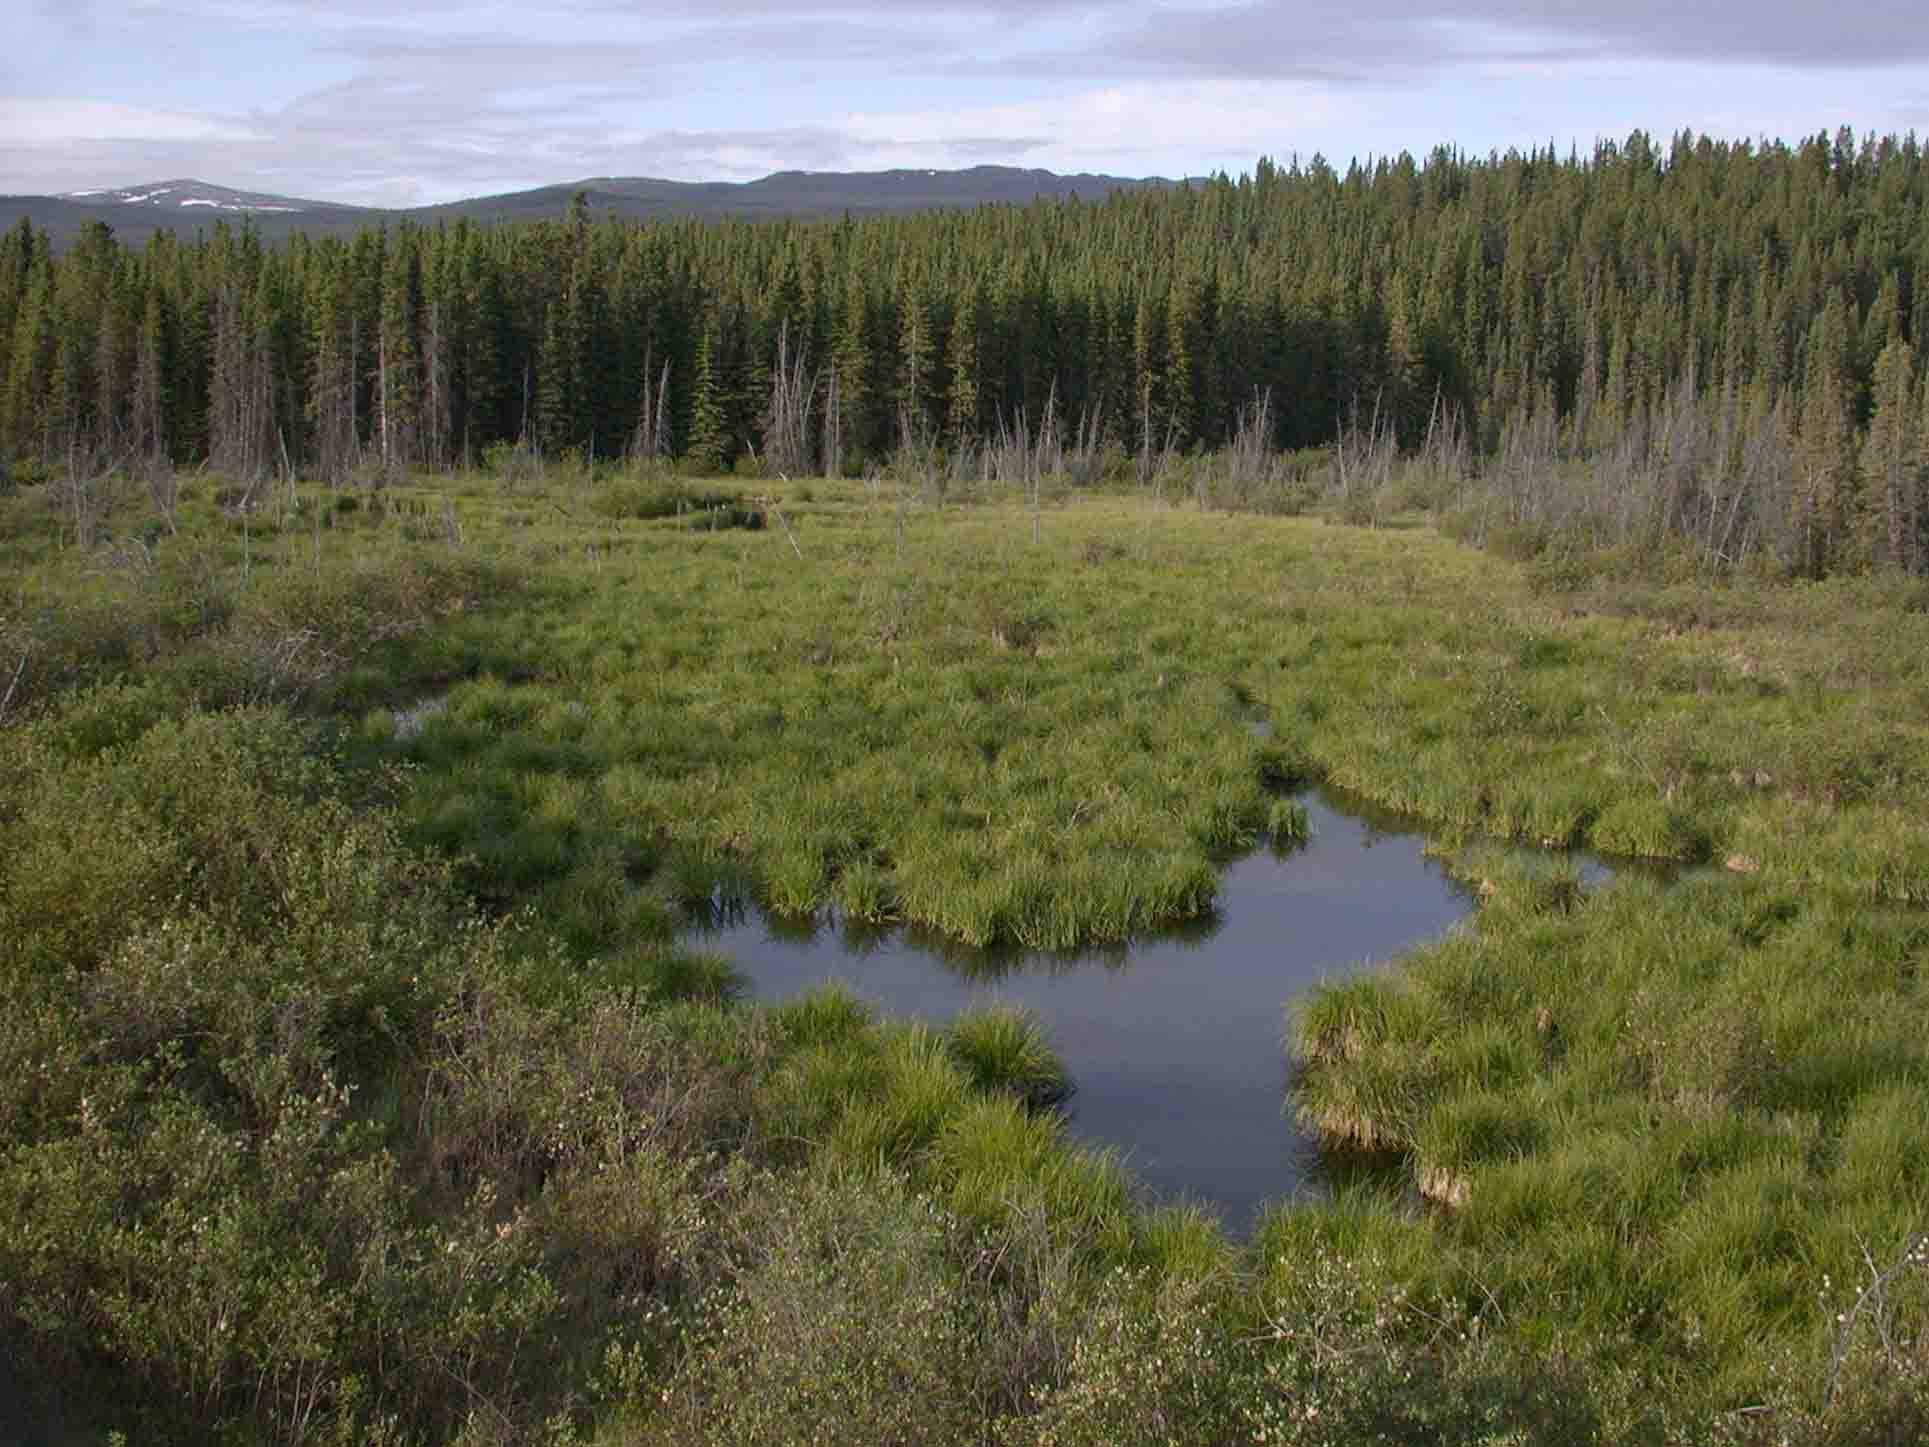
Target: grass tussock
<point>1005,1049</point>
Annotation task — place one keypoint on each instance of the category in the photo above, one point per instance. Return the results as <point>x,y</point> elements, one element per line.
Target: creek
<point>1174,1042</point>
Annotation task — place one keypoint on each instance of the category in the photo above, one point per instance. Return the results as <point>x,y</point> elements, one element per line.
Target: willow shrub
<point>212,964</point>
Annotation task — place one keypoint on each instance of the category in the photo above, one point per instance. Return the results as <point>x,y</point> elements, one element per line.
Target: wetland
<point>994,766</point>
<point>1172,1042</point>
<point>406,639</point>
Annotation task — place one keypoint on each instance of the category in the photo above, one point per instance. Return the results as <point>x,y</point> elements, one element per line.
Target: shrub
<point>1153,1361</point>
<point>215,967</point>
<point>512,462</point>
<point>839,1322</point>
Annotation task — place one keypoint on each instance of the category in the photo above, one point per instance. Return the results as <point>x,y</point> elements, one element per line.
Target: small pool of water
<point>1174,1042</point>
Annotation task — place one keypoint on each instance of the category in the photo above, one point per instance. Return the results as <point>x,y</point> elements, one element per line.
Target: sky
<point>408,102</point>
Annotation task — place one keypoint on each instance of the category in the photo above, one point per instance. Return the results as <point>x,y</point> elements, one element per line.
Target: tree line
<point>1740,324</point>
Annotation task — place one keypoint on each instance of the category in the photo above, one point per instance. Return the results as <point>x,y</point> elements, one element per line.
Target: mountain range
<point>186,206</point>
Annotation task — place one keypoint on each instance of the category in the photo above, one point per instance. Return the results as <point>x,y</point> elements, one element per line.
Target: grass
<point>1004,1049</point>
<point>1648,1129</point>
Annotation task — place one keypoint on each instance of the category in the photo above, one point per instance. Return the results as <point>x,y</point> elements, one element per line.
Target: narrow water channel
<point>1175,1042</point>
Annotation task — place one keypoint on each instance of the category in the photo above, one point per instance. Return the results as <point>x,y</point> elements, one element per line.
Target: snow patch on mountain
<point>185,194</point>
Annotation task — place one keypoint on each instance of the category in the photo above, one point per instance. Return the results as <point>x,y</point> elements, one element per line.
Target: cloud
<point>1867,33</point>
<point>1373,40</point>
<point>403,101</point>
<point>1109,126</point>
<point>61,144</point>
<point>62,122</point>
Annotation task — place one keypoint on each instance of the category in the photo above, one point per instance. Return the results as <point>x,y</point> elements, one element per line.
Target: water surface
<point>1174,1043</point>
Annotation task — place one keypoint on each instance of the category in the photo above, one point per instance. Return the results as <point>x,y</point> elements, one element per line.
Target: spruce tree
<point>399,354</point>
<point>963,419</point>
<point>709,441</point>
<point>148,406</point>
<point>917,365</point>
<point>1825,508</point>
<point>1890,466</point>
<point>27,412</point>
<point>852,359</point>
<point>1185,339</point>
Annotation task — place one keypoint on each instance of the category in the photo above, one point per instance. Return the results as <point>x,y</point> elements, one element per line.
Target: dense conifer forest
<point>1718,342</point>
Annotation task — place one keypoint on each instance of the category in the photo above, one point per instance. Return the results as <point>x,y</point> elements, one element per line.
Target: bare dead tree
<point>833,450</point>
<point>1448,450</point>
<point>1145,431</point>
<point>13,684</point>
<point>163,487</point>
<point>148,405</point>
<point>787,421</point>
<point>1049,458</point>
<point>918,456</point>
<point>1247,467</point>
<point>80,491</point>
<point>1874,1307</point>
<point>964,463</point>
<point>1363,458</point>
<point>1249,454</point>
<point>147,423</point>
<point>1022,456</point>
<point>1684,458</point>
<point>1086,460</point>
<point>383,434</point>
<point>240,396</point>
<point>1766,482</point>
<point>332,406</point>
<point>1008,455</point>
<point>650,442</point>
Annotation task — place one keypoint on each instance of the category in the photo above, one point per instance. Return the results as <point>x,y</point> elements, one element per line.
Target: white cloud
<point>1098,128</point>
<point>404,101</point>
<point>62,122</point>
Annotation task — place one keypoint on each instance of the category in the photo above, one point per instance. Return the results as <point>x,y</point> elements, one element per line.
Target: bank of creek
<point>1174,1042</point>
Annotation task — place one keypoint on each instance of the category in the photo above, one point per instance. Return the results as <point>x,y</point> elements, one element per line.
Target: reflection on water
<point>1174,1041</point>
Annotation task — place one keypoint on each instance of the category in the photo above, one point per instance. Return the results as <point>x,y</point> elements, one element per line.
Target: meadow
<point>356,1085</point>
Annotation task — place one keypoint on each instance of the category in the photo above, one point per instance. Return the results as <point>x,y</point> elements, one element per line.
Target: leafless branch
<point>19,668</point>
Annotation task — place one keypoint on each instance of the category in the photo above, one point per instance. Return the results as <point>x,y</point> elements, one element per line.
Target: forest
<point>411,647</point>
<point>1702,343</point>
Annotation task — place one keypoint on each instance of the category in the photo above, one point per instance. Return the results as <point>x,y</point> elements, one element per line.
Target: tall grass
<point>1004,1049</point>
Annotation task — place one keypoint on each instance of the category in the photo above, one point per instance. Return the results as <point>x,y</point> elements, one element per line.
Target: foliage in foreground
<point>307,1131</point>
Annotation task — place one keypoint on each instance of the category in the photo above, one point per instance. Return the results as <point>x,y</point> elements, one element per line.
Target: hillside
<point>186,206</point>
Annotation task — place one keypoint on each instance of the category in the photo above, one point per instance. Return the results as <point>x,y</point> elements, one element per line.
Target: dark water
<point>1174,1043</point>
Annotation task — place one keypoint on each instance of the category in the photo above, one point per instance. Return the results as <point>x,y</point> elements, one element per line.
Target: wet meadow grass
<point>1658,1132</point>
<point>1654,1112</point>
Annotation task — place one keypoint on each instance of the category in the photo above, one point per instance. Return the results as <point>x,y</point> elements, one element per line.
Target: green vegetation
<point>1006,1049</point>
<point>1699,356</point>
<point>353,1082</point>
<point>357,1087</point>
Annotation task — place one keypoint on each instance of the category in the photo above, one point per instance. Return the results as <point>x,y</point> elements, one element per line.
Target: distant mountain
<point>186,206</point>
<point>194,196</point>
